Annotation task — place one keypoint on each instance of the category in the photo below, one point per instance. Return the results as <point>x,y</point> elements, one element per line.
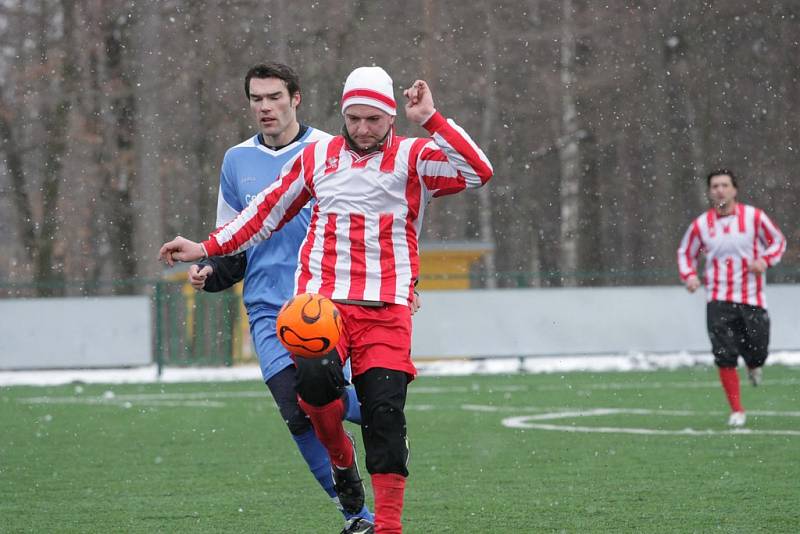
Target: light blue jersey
<point>247,169</point>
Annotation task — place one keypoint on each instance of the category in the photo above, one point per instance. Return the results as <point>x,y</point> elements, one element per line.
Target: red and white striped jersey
<point>362,241</point>
<point>729,244</point>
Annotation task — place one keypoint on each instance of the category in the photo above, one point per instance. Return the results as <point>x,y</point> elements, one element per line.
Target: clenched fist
<point>181,249</point>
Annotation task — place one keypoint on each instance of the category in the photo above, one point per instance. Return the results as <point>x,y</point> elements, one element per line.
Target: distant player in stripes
<point>371,188</point>
<point>273,92</point>
<point>740,242</point>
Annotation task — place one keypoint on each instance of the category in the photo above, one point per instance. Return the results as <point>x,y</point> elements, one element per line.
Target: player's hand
<point>180,249</point>
<point>198,274</point>
<point>758,266</point>
<point>416,303</point>
<point>419,107</point>
<point>692,283</point>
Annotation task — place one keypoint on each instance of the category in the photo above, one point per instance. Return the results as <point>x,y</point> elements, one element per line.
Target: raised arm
<point>452,162</point>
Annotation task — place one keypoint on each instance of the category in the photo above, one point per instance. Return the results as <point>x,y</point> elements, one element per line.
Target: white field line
<point>99,401</point>
<point>559,412</point>
<point>213,399</point>
<point>529,422</point>
<point>110,395</point>
<point>657,432</point>
<point>464,389</point>
<point>657,385</point>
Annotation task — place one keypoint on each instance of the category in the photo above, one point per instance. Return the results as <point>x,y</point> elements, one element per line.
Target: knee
<point>281,386</point>
<point>320,380</point>
<point>298,422</point>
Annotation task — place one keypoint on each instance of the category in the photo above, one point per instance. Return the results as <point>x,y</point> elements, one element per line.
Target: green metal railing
<point>194,328</point>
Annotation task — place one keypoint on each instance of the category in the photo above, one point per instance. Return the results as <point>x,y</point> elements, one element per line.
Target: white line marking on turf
<point>635,411</point>
<point>653,385</point>
<point>116,401</point>
<point>465,389</point>
<point>528,422</point>
<point>653,432</point>
<point>212,399</point>
<point>109,398</point>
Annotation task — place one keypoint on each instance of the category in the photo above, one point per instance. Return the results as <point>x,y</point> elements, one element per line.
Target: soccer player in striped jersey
<point>273,91</point>
<point>371,188</point>
<point>740,242</point>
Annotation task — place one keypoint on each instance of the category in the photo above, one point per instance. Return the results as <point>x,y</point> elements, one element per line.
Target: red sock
<point>389,489</point>
<point>730,383</point>
<point>327,421</point>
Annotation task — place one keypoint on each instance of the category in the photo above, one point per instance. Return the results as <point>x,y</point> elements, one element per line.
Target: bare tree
<point>38,215</point>
<point>490,110</point>
<point>148,204</point>
<point>600,121</point>
<point>569,155</point>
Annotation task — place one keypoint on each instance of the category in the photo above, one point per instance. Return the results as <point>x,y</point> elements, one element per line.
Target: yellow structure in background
<point>243,350</point>
<point>448,264</point>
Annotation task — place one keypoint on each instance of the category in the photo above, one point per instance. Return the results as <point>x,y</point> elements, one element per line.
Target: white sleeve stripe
<point>225,212</point>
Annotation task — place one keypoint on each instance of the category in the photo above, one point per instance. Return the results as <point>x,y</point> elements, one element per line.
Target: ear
<point>296,99</point>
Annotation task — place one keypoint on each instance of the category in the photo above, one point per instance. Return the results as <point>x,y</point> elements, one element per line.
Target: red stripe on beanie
<point>369,93</point>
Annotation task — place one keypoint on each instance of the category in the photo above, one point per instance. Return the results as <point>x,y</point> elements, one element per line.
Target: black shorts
<point>737,330</point>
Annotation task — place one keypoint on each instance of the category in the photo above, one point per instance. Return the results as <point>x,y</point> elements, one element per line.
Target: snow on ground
<point>550,364</point>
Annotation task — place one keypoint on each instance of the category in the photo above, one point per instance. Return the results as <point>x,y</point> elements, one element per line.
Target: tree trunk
<point>147,188</point>
<point>569,156</point>
<point>48,262</point>
<point>485,228</point>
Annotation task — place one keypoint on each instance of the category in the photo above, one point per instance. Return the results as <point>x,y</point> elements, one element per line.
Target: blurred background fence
<point>190,328</point>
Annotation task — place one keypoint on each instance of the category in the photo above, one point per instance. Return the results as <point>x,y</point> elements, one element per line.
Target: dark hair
<point>273,70</point>
<point>720,172</point>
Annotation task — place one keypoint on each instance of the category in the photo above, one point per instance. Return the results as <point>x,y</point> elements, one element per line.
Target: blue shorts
<point>272,356</point>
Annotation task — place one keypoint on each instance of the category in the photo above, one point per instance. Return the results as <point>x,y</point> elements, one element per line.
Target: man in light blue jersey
<point>268,269</point>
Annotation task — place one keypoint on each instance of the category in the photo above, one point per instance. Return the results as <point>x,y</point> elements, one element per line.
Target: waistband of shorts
<point>365,303</point>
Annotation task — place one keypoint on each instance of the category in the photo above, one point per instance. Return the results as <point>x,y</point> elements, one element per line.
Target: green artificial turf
<point>623,452</point>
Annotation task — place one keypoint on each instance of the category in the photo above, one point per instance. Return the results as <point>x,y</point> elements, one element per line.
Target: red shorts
<point>376,337</point>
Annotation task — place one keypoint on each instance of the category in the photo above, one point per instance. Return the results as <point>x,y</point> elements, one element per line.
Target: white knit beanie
<point>370,86</point>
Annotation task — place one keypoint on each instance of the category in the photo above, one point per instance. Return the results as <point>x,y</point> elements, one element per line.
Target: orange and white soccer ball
<point>309,325</point>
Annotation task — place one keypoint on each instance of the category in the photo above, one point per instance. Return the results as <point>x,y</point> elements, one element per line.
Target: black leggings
<point>281,386</point>
<point>382,394</point>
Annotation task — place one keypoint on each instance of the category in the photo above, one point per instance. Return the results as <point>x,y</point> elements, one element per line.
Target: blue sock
<point>319,463</point>
<point>317,458</point>
<point>365,513</point>
<point>353,413</point>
